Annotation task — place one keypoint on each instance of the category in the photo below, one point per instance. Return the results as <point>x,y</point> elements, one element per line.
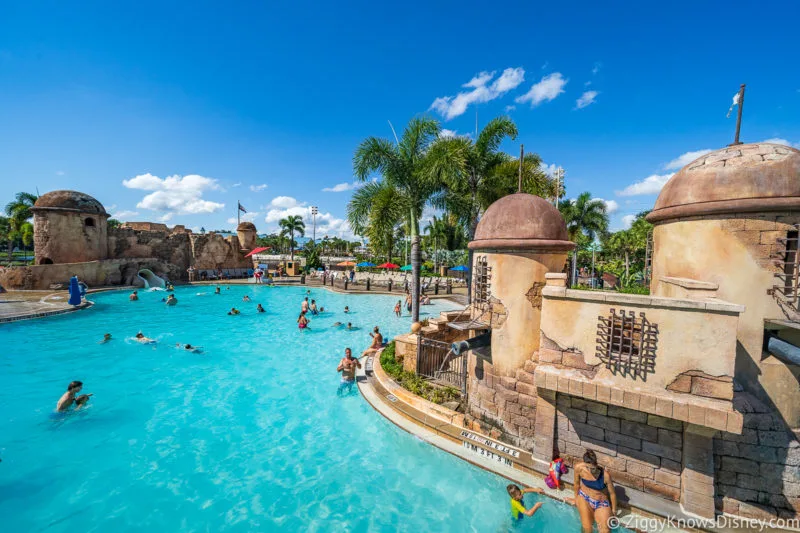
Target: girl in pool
<point>260,309</point>
<point>594,494</point>
<point>302,321</point>
<point>140,338</point>
<point>518,509</point>
<point>398,309</point>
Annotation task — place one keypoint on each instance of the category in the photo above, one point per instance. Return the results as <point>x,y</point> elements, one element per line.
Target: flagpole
<point>739,115</point>
<point>238,211</point>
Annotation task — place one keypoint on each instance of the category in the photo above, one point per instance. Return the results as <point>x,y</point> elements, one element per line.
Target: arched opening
<point>45,261</point>
<point>89,222</point>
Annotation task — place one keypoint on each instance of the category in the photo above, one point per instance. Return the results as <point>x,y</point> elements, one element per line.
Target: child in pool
<point>234,311</point>
<point>398,308</point>
<point>518,509</point>
<point>106,338</point>
<point>260,309</point>
<point>82,400</point>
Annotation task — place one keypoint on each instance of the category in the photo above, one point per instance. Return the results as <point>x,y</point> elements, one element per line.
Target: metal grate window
<point>627,343</point>
<point>786,259</point>
<point>482,283</point>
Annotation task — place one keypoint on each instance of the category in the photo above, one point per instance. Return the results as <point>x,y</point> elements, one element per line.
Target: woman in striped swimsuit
<point>594,494</point>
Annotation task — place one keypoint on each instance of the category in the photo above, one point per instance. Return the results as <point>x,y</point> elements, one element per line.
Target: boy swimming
<point>518,509</point>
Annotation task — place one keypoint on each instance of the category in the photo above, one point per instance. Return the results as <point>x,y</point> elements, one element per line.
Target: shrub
<point>412,382</point>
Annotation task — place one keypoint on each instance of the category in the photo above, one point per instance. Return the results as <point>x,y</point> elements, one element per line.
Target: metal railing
<point>436,361</point>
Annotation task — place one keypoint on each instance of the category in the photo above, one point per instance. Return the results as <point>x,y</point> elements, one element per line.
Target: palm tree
<point>476,174</point>
<point>375,210</point>
<point>19,211</point>
<point>290,225</point>
<point>410,166</point>
<point>584,216</point>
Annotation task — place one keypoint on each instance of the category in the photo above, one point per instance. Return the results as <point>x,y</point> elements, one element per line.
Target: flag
<point>241,208</point>
<point>734,104</point>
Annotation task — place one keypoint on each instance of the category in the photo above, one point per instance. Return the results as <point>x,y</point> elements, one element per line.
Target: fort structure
<point>689,394</point>
<point>72,237</point>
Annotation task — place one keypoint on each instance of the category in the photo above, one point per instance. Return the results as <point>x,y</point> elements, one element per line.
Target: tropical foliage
<point>586,219</point>
<point>291,225</point>
<point>376,211</point>
<point>16,228</point>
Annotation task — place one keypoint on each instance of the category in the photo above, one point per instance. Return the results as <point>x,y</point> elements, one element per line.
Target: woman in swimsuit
<point>594,494</point>
<point>302,321</point>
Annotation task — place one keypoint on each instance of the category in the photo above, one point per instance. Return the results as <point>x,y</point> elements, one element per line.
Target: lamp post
<point>314,212</point>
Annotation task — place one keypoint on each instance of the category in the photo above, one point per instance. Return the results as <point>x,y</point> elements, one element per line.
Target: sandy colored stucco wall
<point>63,237</point>
<point>516,284</point>
<point>735,254</point>
<point>688,339</point>
<point>214,251</point>
<point>93,273</point>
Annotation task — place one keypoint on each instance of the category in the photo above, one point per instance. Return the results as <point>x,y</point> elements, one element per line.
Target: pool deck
<point>445,429</point>
<point>24,305</point>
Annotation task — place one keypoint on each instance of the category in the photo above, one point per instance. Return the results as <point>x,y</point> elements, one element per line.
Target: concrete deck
<point>23,305</point>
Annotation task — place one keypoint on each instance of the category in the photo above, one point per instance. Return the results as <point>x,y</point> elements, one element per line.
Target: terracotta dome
<point>69,201</point>
<point>521,222</point>
<point>745,178</point>
<point>246,226</point>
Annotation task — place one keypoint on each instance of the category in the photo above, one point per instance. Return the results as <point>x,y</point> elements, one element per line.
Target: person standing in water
<point>171,300</point>
<point>134,296</point>
<point>595,497</point>
<point>398,309</point>
<point>347,366</point>
<point>304,305</point>
<point>302,321</point>
<point>68,398</point>
<point>518,509</point>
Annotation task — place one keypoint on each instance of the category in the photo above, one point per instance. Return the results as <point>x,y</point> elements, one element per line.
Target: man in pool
<point>106,338</point>
<point>377,342</point>
<point>304,305</point>
<point>260,309</point>
<point>314,310</point>
<point>68,398</point>
<point>171,300</point>
<point>134,296</point>
<point>346,309</point>
<point>233,311</point>
<point>347,366</point>
<point>144,340</point>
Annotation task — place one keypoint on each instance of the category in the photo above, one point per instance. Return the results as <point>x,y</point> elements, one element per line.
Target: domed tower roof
<point>69,201</point>
<point>246,226</point>
<point>522,222</point>
<point>745,178</point>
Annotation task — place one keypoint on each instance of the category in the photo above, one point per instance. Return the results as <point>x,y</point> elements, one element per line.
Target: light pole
<point>314,212</point>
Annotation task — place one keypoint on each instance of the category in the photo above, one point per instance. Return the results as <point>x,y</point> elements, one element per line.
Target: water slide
<point>151,281</point>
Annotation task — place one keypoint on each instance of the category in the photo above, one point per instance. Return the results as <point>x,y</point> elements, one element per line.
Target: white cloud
<point>586,99</point>
<point>327,224</point>
<point>250,216</point>
<point>627,221</point>
<point>124,215</point>
<point>175,195</point>
<point>510,108</point>
<point>546,90</point>
<point>611,205</point>
<point>165,218</point>
<point>480,91</point>
<point>785,142</point>
<point>341,187</point>
<point>447,134</point>
<point>649,185</point>
<point>60,172</point>
<point>258,188</point>
<point>596,67</point>
<point>237,184</point>
<point>684,159</point>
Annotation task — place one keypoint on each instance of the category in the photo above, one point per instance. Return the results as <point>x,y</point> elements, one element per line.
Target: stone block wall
<point>640,450</point>
<point>758,472</point>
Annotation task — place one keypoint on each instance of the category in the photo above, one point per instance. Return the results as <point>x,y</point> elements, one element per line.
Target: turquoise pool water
<point>247,436</point>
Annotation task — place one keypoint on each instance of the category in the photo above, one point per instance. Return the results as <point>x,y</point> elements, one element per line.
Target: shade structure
<point>257,250</point>
<point>388,265</point>
<point>346,264</point>
<point>405,268</point>
<point>365,264</point>
<point>460,268</point>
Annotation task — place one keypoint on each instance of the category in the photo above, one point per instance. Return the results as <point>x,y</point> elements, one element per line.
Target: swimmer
<point>171,300</point>
<point>426,300</point>
<point>216,291</point>
<point>321,309</point>
<point>314,310</point>
<point>134,296</point>
<point>518,505</point>
<point>350,326</point>
<point>377,342</point>
<point>144,340</point>
<point>304,305</point>
<point>346,309</point>
<point>234,311</point>
<point>82,400</point>
<point>68,398</point>
<point>338,324</point>
<point>302,321</point>
<point>193,349</point>
<point>170,287</point>
<point>260,309</point>
<point>245,298</point>
<point>398,308</point>
<point>347,366</point>
<point>106,338</point>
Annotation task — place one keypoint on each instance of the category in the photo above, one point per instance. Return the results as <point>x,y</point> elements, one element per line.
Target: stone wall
<point>212,251</point>
<point>640,450</point>
<point>174,248</point>
<point>64,237</point>
<point>94,273</point>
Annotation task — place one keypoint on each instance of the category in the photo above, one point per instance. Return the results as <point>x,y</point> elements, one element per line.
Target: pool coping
<point>433,424</point>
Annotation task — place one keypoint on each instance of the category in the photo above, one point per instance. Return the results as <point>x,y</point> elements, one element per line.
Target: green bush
<point>412,382</point>
<point>635,289</point>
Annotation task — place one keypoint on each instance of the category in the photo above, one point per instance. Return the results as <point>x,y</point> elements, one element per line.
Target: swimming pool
<point>247,436</point>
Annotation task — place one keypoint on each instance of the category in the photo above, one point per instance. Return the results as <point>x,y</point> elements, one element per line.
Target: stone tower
<point>69,227</point>
<point>246,231</point>
<point>726,227</point>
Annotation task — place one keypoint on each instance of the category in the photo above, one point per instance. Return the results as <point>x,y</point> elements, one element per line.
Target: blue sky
<point>176,110</point>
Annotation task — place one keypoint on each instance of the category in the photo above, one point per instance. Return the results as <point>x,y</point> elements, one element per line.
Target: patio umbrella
<point>460,268</point>
<point>388,265</point>
<point>346,264</point>
<point>405,268</point>
<point>364,264</point>
<point>257,250</point>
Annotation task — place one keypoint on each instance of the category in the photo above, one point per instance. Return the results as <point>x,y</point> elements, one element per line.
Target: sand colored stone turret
<point>246,231</point>
<point>69,227</point>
